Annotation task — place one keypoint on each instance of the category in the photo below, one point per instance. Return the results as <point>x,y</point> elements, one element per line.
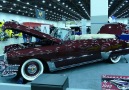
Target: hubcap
<point>32,69</point>
<point>114,57</point>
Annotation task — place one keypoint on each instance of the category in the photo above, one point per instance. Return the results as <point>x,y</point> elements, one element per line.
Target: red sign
<point>115,82</point>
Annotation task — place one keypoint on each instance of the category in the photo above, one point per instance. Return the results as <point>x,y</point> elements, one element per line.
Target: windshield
<point>61,33</point>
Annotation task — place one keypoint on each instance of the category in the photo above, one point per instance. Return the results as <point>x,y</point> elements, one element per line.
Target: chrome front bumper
<point>7,70</point>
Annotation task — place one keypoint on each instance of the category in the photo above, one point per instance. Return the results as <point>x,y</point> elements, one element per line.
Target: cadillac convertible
<point>60,50</point>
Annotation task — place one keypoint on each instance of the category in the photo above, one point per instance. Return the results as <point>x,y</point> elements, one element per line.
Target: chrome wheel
<point>31,69</point>
<point>115,59</point>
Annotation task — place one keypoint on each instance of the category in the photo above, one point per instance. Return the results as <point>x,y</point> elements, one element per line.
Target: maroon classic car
<point>60,52</point>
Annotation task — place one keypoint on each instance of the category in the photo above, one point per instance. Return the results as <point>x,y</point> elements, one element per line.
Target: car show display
<point>115,82</point>
<point>50,82</point>
<point>30,60</point>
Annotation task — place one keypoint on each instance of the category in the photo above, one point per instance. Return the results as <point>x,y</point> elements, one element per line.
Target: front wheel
<point>115,59</point>
<point>31,69</point>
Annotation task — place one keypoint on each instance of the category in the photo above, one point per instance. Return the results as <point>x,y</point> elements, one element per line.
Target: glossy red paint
<point>113,28</point>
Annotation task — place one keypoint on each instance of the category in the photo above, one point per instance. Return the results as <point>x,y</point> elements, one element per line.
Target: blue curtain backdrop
<point>40,14</point>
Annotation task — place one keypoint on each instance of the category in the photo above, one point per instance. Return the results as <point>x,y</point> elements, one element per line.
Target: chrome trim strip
<point>105,55</point>
<point>52,66</point>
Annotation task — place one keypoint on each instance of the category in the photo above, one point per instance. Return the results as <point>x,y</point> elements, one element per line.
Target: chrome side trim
<point>52,66</point>
<point>105,55</point>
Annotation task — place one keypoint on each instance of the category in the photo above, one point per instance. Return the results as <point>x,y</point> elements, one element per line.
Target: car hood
<point>21,28</point>
<point>113,28</point>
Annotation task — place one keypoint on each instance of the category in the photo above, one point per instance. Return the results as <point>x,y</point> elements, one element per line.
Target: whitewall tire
<point>115,59</point>
<point>31,69</point>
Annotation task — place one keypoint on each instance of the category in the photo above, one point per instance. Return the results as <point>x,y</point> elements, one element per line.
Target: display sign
<point>115,82</point>
<point>40,14</point>
<point>8,70</point>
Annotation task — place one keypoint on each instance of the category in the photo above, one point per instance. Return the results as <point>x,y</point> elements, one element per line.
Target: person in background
<point>88,30</point>
<point>38,29</point>
<point>29,37</point>
<point>24,37</point>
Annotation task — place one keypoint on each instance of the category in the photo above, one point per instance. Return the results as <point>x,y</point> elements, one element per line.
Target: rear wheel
<point>31,69</point>
<point>115,59</point>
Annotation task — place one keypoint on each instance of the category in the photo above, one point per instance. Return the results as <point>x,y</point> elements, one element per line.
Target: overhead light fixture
<point>14,4</point>
<point>28,3</point>
<point>19,10</point>
<point>1,9</point>
<point>50,4</point>
<point>18,0</point>
<point>9,11</point>
<point>11,8</point>
<point>24,7</point>
<point>58,0</point>
<point>63,3</point>
<point>0,5</point>
<point>41,8</point>
<point>35,5</point>
<point>66,5</point>
<point>43,1</point>
<point>79,2</point>
<point>54,6</point>
<point>4,1</point>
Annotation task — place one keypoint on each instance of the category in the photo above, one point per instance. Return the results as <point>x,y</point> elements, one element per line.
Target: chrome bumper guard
<point>7,70</point>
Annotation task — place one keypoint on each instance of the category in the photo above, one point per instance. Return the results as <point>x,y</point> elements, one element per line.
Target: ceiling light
<point>4,1</point>
<point>18,0</point>
<point>11,8</point>
<point>35,5</point>
<point>41,8</point>
<point>79,2</point>
<point>24,7</point>
<point>0,5</point>
<point>66,5</point>
<point>30,8</point>
<point>19,10</point>
<point>14,4</point>
<point>1,9</point>
<point>54,6</point>
<point>9,11</point>
<point>58,0</point>
<point>27,3</point>
<point>43,1</point>
<point>111,2</point>
<point>63,3</point>
<point>50,4</point>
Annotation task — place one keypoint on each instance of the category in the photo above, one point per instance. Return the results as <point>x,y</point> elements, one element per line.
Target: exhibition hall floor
<point>86,76</point>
